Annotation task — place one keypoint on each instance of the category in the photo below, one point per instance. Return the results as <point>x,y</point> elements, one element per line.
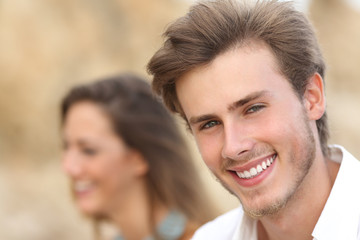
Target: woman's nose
<point>71,163</point>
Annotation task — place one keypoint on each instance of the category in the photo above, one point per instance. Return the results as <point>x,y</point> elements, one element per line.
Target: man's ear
<point>314,97</point>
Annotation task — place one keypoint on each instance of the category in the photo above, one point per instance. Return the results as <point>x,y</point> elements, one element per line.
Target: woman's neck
<point>137,215</point>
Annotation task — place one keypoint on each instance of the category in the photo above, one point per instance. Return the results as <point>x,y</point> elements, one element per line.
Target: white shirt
<point>339,220</point>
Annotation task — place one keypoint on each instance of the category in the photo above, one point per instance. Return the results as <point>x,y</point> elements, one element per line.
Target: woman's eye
<point>210,124</point>
<point>89,151</point>
<point>255,108</point>
<point>65,146</point>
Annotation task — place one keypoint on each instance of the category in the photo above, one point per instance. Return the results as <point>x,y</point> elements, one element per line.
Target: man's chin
<point>267,210</point>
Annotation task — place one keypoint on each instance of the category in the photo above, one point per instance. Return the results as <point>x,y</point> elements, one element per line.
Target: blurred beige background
<point>46,46</point>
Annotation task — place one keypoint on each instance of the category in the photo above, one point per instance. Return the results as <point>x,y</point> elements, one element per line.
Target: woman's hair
<point>213,27</point>
<point>141,120</point>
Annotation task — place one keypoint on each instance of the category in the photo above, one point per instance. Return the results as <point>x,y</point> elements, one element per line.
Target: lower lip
<point>82,193</point>
<point>256,180</point>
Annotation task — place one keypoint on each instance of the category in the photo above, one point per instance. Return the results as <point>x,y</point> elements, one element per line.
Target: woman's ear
<point>314,97</point>
<point>139,164</point>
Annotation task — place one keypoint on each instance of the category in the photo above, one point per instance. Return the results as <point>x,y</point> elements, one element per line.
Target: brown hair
<point>213,27</point>
<point>142,121</point>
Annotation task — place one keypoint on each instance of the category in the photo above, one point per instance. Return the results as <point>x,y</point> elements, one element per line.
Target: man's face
<point>250,127</point>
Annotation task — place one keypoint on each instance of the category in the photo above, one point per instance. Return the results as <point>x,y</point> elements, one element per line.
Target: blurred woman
<point>128,163</point>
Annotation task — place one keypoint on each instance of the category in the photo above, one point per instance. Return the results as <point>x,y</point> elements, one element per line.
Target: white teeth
<point>254,171</point>
<point>264,165</point>
<point>82,186</point>
<point>247,174</point>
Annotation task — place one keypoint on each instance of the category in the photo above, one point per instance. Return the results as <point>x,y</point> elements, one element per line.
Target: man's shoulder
<point>222,227</point>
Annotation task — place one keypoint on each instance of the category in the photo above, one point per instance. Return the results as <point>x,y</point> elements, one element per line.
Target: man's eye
<point>255,108</point>
<point>210,124</point>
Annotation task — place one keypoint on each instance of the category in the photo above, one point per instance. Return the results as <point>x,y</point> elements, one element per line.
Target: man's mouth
<point>257,170</point>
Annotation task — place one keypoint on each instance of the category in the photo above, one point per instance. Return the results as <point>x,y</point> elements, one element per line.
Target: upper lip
<point>82,184</point>
<point>251,164</point>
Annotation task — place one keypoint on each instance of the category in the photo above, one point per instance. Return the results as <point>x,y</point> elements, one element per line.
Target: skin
<point>108,177</point>
<point>237,128</point>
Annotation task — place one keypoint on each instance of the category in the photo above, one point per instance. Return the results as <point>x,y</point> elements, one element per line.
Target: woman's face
<point>102,169</point>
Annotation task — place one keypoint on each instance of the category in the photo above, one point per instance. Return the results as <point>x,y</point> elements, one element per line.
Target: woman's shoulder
<point>189,231</point>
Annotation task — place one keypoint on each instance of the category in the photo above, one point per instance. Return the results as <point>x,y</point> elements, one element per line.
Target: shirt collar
<point>246,230</point>
<point>340,218</point>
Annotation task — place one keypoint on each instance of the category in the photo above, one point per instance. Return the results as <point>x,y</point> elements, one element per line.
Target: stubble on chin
<point>270,210</point>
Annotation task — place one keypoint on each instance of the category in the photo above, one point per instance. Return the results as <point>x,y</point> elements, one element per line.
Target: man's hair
<point>211,28</point>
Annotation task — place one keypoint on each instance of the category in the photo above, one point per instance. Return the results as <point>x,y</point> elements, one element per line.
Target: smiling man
<point>248,78</point>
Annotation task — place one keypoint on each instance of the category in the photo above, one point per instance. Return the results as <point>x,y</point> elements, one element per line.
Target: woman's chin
<point>89,209</point>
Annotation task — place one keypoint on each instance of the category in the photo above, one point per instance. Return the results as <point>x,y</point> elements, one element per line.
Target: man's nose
<point>237,141</point>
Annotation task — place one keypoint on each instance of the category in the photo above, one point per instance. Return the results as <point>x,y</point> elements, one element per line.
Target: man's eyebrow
<point>195,120</point>
<point>247,99</point>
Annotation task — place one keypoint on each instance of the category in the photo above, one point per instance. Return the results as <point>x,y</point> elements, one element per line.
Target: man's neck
<point>299,217</point>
